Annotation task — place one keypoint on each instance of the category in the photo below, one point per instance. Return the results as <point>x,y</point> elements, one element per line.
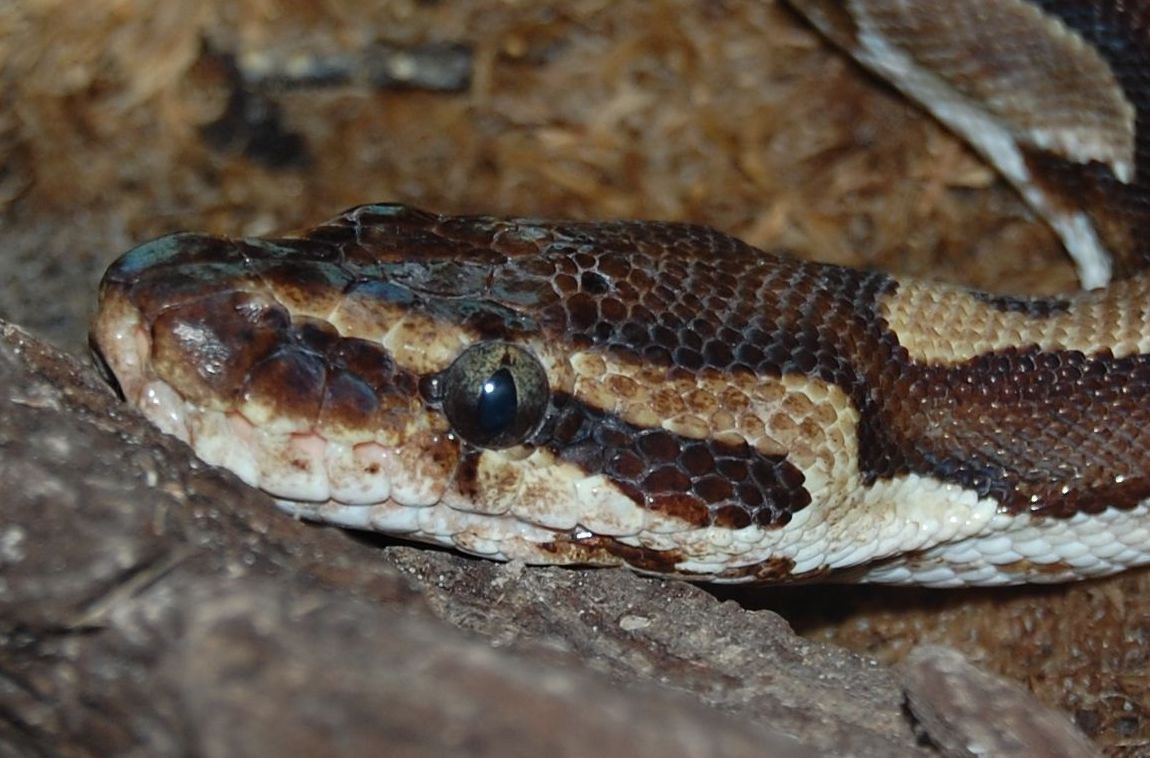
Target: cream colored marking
<point>120,333</point>
<point>766,413</point>
<point>422,469</point>
<point>297,466</point>
<point>417,342</point>
<point>541,490</point>
<point>264,413</point>
<point>945,324</point>
<point>609,512</point>
<point>963,539</point>
<point>163,406</point>
<point>396,519</point>
<point>498,483</point>
<point>1081,546</point>
<point>807,420</point>
<point>356,472</point>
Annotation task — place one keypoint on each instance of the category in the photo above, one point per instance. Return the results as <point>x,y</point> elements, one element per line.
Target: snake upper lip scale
<point>666,397</point>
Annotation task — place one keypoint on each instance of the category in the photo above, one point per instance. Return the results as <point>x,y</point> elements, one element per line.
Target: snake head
<point>447,379</point>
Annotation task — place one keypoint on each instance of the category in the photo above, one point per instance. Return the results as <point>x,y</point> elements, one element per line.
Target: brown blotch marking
<point>714,489</point>
<point>666,479</point>
<point>607,551</point>
<point>684,478</point>
<point>626,466</point>
<point>467,473</point>
<point>771,571</point>
<point>305,286</point>
<point>612,309</point>
<point>1020,426</point>
<point>565,284</point>
<point>205,348</point>
<point>600,550</point>
<point>227,338</point>
<point>659,445</point>
<point>363,387</point>
<point>1024,567</point>
<point>445,452</point>
<point>684,507</point>
<point>582,310</point>
<point>697,460</point>
<point>623,386</point>
<point>731,517</point>
<point>347,400</point>
<point>290,382</point>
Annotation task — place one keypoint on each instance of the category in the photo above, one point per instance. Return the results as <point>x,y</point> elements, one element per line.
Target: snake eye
<point>495,394</point>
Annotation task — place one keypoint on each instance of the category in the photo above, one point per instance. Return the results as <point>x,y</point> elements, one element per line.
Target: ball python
<point>665,397</point>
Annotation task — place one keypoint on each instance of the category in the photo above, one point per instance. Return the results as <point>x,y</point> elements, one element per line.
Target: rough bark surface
<point>950,699</point>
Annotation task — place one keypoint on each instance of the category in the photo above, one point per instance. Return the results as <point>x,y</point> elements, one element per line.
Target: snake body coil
<point>661,395</point>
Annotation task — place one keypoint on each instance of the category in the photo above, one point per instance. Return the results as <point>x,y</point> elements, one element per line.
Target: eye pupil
<point>497,403</point>
<point>495,394</point>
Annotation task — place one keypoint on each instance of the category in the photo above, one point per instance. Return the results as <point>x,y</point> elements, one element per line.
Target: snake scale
<point>666,397</point>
